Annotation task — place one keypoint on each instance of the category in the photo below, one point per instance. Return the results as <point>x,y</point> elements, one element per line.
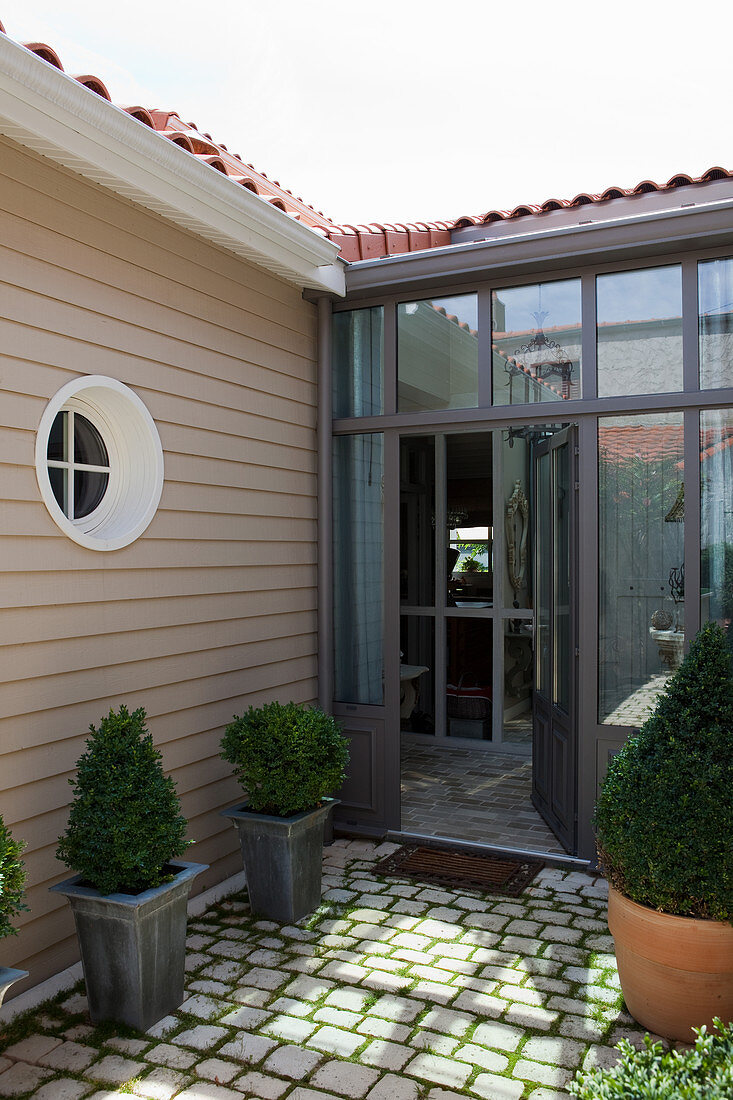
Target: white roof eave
<point>56,116</point>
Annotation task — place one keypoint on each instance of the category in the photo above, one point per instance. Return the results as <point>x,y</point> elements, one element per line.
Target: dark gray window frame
<point>596,741</point>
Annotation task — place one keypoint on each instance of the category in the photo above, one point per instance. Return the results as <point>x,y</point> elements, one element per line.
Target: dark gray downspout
<point>325,520</point>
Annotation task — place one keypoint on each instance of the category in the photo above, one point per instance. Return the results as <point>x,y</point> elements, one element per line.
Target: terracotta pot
<point>676,973</point>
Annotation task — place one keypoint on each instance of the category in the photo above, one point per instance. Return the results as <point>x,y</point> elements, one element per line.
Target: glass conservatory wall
<point>641,566</point>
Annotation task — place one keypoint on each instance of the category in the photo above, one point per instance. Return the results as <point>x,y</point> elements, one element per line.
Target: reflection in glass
<point>641,565</point>
<point>357,339</point>
<point>543,529</point>
<point>469,677</point>
<point>469,518</point>
<point>58,438</point>
<point>518,676</point>
<point>536,342</point>
<point>358,552</point>
<point>417,521</point>
<point>417,674</point>
<point>715,296</point>
<point>716,516</point>
<point>561,560</point>
<point>639,317</point>
<point>437,354</point>
<point>89,448</point>
<point>89,488</point>
<point>59,478</point>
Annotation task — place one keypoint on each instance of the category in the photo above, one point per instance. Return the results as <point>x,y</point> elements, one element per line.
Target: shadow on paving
<point>392,990</point>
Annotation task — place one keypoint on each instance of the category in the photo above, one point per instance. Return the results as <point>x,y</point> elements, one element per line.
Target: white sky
<point>405,110</point>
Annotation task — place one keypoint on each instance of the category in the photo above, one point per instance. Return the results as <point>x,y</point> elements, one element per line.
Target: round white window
<point>99,462</point>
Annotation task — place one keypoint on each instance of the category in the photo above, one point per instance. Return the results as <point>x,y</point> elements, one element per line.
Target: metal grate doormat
<point>493,874</point>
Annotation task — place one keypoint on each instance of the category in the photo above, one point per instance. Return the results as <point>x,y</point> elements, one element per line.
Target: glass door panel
<point>469,677</point>
<point>417,674</point>
<point>543,544</point>
<point>561,602</point>
<point>417,521</point>
<point>469,520</point>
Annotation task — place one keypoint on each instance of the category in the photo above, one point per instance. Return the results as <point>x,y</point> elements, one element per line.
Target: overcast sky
<point>406,110</point>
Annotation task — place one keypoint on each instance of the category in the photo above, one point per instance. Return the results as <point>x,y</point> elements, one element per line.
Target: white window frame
<point>135,455</point>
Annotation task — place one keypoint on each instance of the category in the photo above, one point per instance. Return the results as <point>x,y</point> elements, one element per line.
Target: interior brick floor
<point>473,796</point>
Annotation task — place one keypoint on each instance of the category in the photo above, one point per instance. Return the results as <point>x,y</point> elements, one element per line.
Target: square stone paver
<point>115,1069</point>
<point>345,1078</point>
<point>21,1078</point>
<point>292,1062</point>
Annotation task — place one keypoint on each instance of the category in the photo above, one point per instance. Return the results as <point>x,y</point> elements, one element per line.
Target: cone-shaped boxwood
<point>664,818</point>
<point>288,758</point>
<point>12,880</point>
<point>125,822</point>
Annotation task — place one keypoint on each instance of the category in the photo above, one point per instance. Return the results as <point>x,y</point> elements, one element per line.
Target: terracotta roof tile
<point>359,242</point>
<point>201,145</point>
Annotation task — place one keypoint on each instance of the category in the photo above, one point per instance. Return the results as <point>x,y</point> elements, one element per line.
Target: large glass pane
<point>437,354</point>
<point>641,565</point>
<point>715,296</point>
<point>561,558</point>
<point>543,534</point>
<point>518,674</point>
<point>469,677</point>
<point>516,454</point>
<point>417,674</point>
<point>469,517</point>
<point>536,342</point>
<point>357,343</point>
<point>417,521</point>
<point>358,553</point>
<point>639,315</point>
<point>716,516</point>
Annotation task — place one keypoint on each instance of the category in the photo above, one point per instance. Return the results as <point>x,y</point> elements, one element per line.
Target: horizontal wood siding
<point>214,607</point>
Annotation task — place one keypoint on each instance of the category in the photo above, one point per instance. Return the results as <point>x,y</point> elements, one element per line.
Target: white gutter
<point>51,113</point>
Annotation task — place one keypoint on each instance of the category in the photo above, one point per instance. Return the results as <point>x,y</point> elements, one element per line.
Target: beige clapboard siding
<point>52,195</point>
<point>38,589</point>
<point>214,608</point>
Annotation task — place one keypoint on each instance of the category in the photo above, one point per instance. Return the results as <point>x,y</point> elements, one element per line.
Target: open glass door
<point>554,788</point>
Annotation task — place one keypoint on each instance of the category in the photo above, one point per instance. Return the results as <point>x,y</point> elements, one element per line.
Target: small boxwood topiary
<point>652,1073</point>
<point>287,757</point>
<point>664,817</point>
<point>12,880</point>
<point>125,822</point>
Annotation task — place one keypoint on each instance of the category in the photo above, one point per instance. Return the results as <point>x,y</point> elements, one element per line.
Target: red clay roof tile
<point>360,242</point>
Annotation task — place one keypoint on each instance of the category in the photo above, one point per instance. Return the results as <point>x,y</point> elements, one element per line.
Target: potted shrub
<point>664,827</point>
<point>130,895</point>
<point>12,881</point>
<point>288,759</point>
<point>705,1070</point>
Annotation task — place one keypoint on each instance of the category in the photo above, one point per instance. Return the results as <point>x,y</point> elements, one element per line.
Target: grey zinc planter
<point>282,860</point>
<point>8,977</point>
<point>133,947</point>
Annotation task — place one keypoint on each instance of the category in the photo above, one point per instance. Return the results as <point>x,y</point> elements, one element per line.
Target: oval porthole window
<point>99,462</point>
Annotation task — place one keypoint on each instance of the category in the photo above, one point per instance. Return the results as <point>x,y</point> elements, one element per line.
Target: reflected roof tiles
<point>357,241</point>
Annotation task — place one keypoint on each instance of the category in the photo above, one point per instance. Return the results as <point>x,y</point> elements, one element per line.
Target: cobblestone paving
<point>392,990</point>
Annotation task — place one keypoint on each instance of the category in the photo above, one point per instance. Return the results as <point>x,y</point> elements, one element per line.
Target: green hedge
<point>664,818</point>
<point>703,1073</point>
<point>12,880</point>
<point>125,822</point>
<point>288,758</point>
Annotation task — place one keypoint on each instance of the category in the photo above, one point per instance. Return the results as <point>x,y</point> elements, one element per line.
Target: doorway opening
<point>487,713</point>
